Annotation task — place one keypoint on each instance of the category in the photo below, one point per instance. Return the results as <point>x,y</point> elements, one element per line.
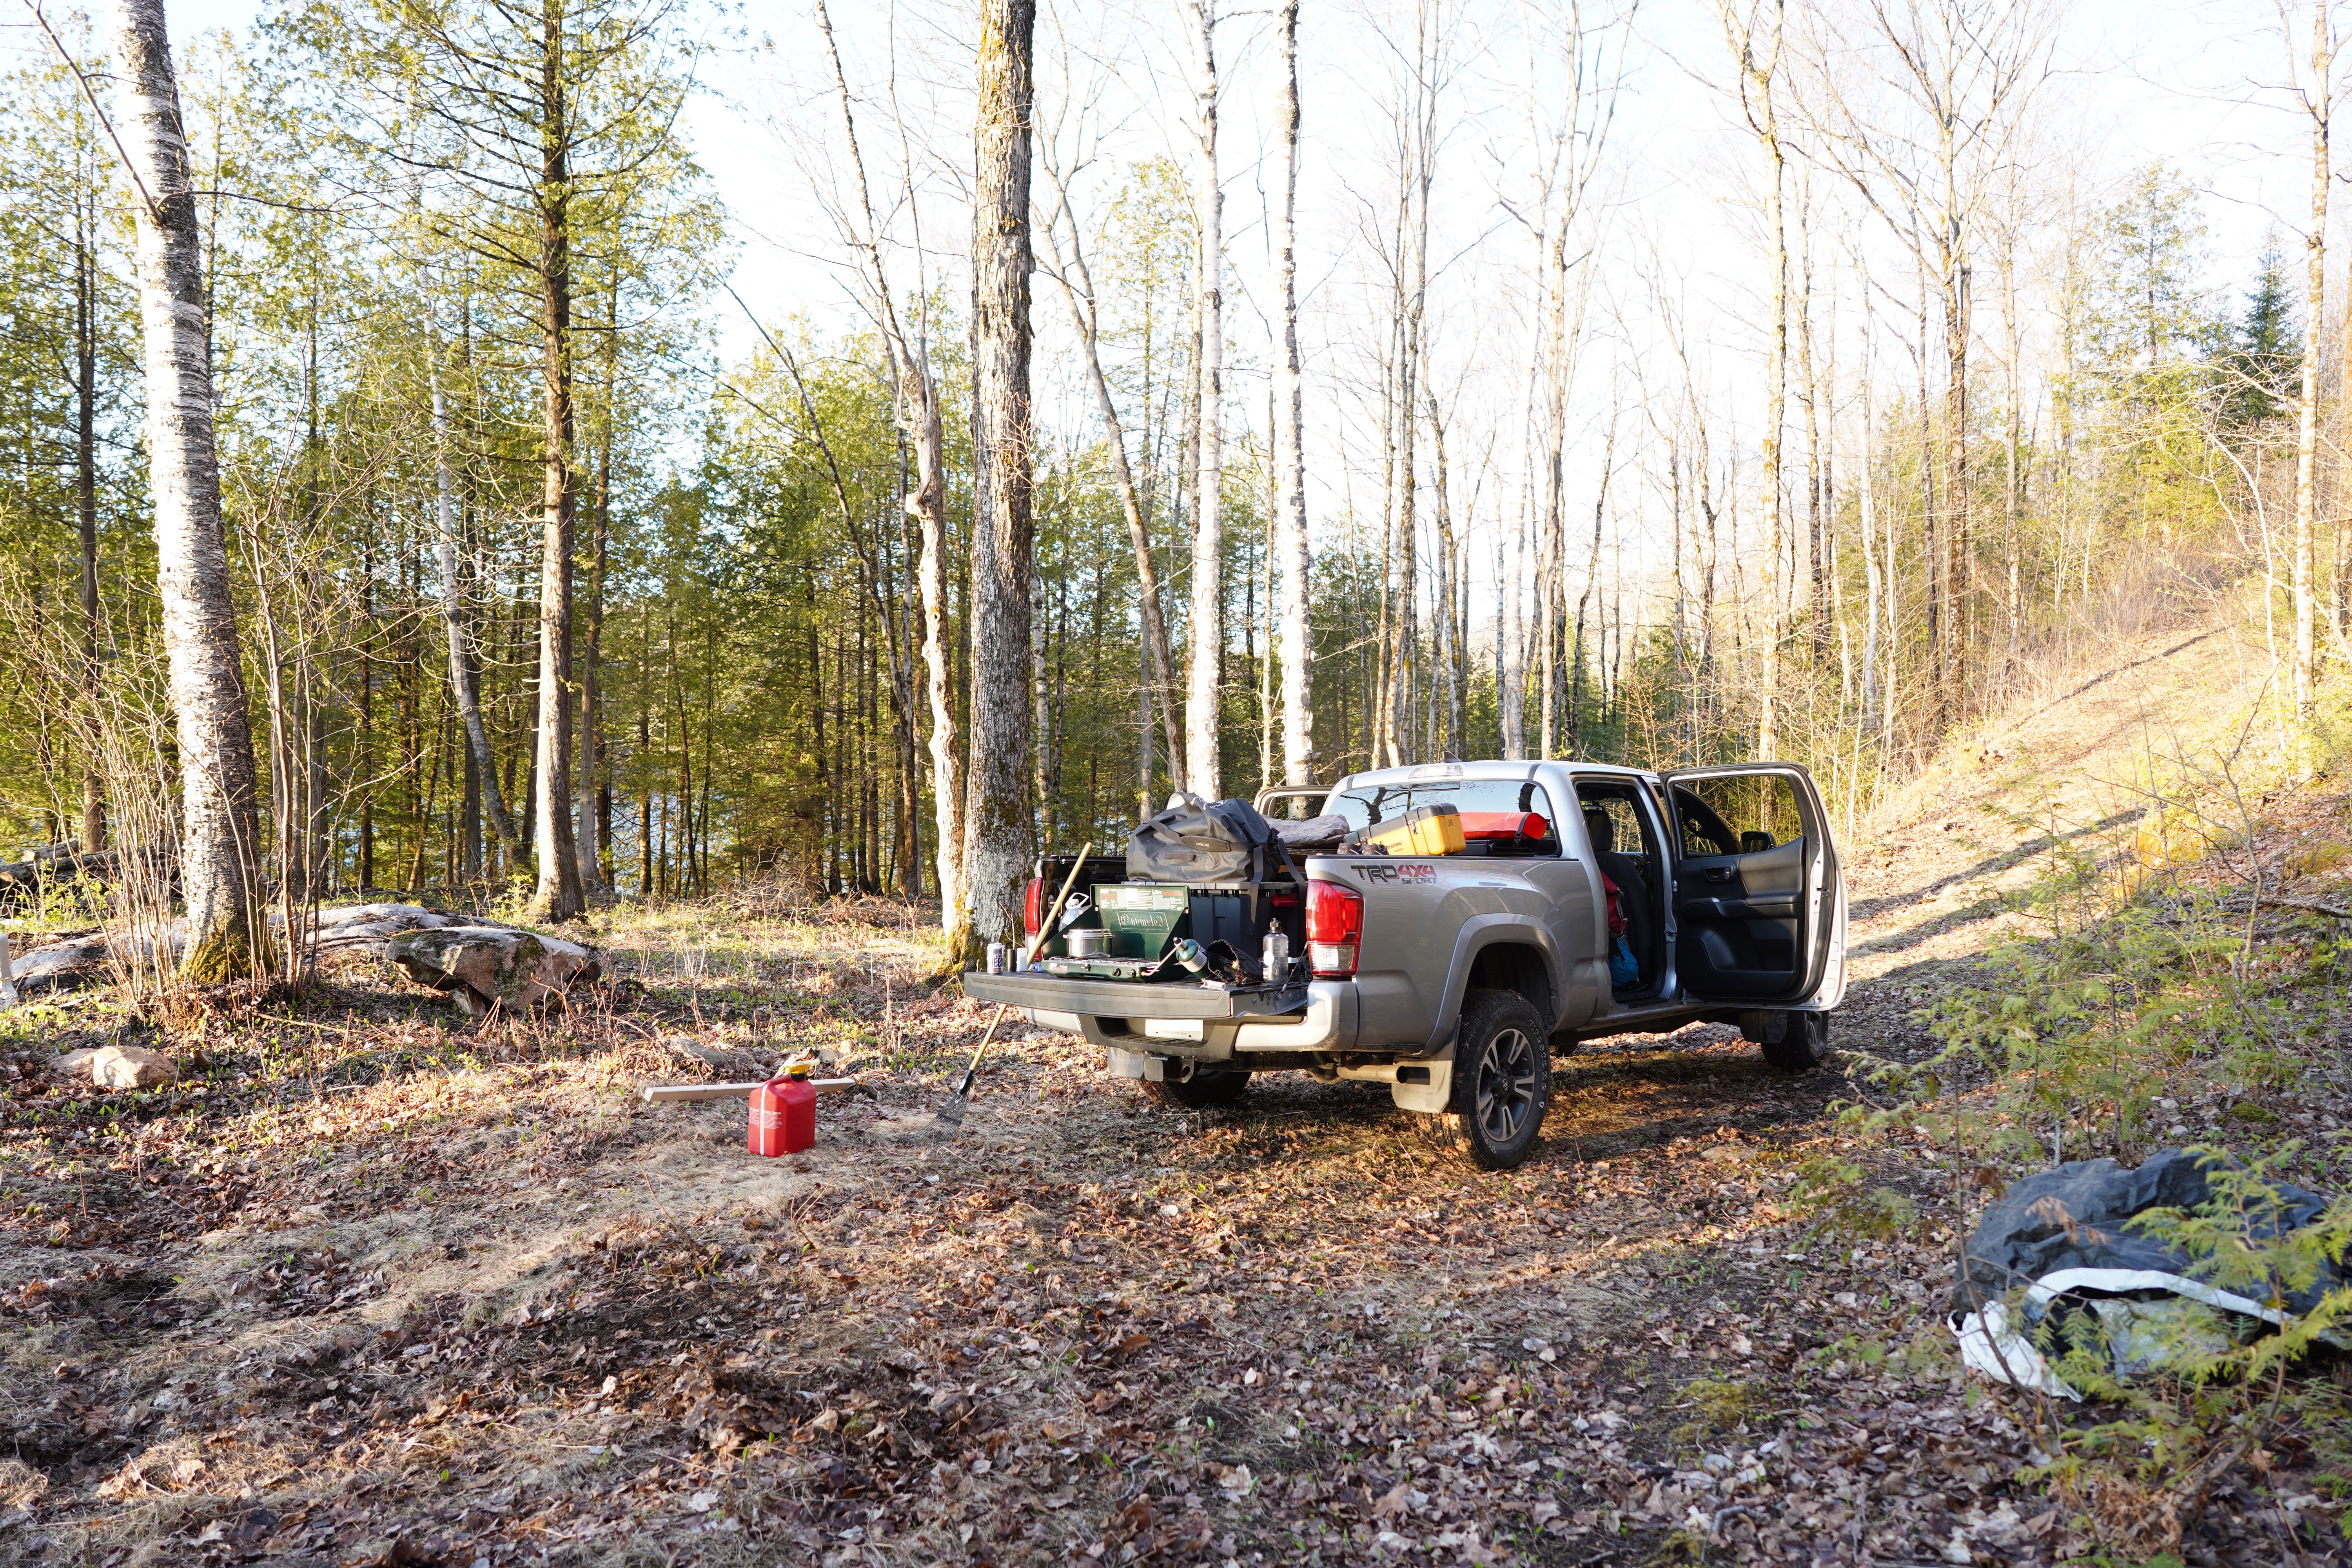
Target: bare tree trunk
<point>1551,583</point>
<point>219,845</point>
<point>1817,602</point>
<point>929,505</point>
<point>1289,448</point>
<point>464,676</point>
<point>2318,102</point>
<point>1078,291</point>
<point>918,395</point>
<point>1452,743</point>
<point>1959,498</point>
<point>1202,766</point>
<point>2014,490</point>
<point>1868,521</point>
<point>93,782</point>
<point>591,738</point>
<point>1510,615</point>
<point>997,827</point>
<point>1759,60</point>
<point>558,895</point>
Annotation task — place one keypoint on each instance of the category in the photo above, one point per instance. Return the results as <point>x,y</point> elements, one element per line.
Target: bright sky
<point>2195,86</point>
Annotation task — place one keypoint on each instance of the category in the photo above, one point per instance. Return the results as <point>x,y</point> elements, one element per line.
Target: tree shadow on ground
<point>1992,865</point>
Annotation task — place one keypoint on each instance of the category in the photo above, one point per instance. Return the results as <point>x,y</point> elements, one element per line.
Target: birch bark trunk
<point>997,824</point>
<point>1290,453</point>
<point>218,837</point>
<point>1202,766</point>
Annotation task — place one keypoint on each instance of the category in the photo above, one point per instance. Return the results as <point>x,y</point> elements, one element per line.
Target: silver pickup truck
<point>1452,977</point>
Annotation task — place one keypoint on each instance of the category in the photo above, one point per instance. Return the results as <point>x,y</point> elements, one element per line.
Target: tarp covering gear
<point>1195,841</point>
<point>1315,833</point>
<point>2063,1240</point>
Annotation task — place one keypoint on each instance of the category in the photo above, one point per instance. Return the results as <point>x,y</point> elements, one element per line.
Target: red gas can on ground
<point>783,1115</point>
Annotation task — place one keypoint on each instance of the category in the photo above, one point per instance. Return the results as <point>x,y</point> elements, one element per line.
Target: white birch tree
<point>1296,640</point>
<point>1203,770</point>
<point>219,835</point>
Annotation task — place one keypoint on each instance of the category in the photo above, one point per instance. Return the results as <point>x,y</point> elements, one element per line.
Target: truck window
<point>1630,830</point>
<point>1502,817</point>
<point>1737,815</point>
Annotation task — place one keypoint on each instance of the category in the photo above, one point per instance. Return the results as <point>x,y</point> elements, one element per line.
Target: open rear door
<point>1759,900</point>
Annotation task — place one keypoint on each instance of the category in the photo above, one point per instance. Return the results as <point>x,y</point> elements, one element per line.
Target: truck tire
<point>1201,1091</point>
<point>1792,1041</point>
<point>1502,1082</point>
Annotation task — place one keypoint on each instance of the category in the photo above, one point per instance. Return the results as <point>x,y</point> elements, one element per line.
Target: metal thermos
<point>1276,957</point>
<point>996,957</point>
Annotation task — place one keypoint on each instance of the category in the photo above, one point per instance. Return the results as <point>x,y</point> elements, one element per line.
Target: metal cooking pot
<point>1087,942</point>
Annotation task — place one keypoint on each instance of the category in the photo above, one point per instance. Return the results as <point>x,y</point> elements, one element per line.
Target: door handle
<point>1717,873</point>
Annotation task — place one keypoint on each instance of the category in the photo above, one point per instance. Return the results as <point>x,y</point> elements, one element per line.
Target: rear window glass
<point>1499,816</point>
<point>1629,827</point>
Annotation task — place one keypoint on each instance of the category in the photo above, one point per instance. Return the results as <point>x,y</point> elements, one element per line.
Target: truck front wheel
<point>1502,1082</point>
<point>1201,1091</point>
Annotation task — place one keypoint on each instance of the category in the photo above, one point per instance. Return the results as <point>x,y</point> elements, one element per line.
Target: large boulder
<point>116,1067</point>
<point>487,967</point>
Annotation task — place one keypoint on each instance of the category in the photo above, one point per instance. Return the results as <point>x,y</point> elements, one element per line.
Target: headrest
<point>1601,830</point>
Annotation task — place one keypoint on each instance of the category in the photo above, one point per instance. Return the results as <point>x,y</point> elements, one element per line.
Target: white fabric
<point>1987,1346</point>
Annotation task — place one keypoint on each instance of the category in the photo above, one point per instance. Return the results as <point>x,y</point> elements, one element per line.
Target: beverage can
<point>996,957</point>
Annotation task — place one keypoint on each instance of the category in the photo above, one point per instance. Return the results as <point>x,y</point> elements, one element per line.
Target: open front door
<point>1759,902</point>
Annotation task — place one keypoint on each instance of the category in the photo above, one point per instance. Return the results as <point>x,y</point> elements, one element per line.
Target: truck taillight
<point>1033,906</point>
<point>1335,926</point>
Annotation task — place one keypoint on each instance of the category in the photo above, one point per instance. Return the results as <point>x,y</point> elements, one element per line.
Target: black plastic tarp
<point>2070,1229</point>
<point>2066,1236</point>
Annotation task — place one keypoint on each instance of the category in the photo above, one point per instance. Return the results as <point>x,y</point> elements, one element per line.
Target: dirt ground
<point>372,1284</point>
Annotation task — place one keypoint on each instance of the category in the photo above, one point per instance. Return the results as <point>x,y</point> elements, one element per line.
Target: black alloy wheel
<point>1502,1080</point>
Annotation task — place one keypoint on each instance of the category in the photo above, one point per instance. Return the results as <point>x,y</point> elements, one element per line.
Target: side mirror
<point>1754,843</point>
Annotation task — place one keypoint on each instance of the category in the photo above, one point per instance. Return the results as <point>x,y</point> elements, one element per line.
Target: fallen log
<point>482,968</point>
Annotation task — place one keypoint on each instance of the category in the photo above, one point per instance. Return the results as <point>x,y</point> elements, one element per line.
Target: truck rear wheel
<point>1502,1082</point>
<point>1792,1041</point>
<point>1201,1091</point>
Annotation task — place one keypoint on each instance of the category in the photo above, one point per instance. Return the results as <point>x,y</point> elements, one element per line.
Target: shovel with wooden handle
<point>951,1117</point>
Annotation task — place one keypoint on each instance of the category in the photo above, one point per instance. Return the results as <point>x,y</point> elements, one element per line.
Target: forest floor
<point>374,1284</point>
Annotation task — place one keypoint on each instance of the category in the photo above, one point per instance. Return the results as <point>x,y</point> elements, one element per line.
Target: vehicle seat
<point>1633,888</point>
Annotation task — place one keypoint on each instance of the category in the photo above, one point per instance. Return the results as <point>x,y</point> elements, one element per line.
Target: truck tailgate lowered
<point>1134,999</point>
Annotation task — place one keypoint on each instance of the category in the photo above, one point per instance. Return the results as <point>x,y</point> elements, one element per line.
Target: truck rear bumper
<point>1133,999</point>
<point>1320,1017</point>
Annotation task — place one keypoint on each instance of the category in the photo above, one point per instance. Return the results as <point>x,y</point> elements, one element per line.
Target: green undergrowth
<point>2158,997</point>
